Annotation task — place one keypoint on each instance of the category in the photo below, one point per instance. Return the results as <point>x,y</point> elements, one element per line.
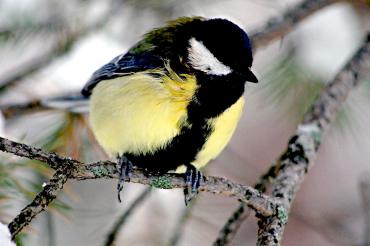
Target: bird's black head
<point>218,47</point>
<point>216,51</point>
<point>219,53</point>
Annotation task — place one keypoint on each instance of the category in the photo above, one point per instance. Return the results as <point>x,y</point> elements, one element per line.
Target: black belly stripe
<point>182,149</point>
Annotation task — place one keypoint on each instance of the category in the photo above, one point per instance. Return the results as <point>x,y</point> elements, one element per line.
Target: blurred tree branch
<point>302,147</point>
<point>277,27</point>
<point>71,102</point>
<point>179,228</point>
<point>232,225</point>
<point>13,110</point>
<point>112,235</point>
<point>65,41</point>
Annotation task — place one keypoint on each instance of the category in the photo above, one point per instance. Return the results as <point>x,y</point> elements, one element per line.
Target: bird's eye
<point>202,59</point>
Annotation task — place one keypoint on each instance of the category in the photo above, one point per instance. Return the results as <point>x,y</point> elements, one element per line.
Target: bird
<point>172,102</point>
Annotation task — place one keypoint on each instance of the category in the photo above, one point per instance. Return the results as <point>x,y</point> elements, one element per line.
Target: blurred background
<point>50,48</point>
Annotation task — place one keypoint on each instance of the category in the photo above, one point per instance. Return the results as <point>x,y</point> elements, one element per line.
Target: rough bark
<point>42,200</point>
<point>302,147</point>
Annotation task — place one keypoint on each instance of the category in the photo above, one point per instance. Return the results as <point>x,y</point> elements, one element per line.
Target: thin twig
<point>179,229</point>
<point>42,199</point>
<point>303,146</point>
<point>232,225</point>
<point>123,218</point>
<point>279,26</point>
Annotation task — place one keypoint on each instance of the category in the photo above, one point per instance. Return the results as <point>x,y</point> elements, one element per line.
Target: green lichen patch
<point>316,135</point>
<point>282,214</point>
<point>162,182</point>
<point>99,171</point>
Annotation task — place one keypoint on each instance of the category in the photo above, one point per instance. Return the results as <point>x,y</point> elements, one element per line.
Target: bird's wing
<point>122,65</point>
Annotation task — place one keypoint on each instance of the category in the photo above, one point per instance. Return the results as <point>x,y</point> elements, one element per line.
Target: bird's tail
<point>73,103</point>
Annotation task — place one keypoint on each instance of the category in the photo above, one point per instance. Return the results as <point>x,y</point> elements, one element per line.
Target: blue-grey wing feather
<point>121,65</point>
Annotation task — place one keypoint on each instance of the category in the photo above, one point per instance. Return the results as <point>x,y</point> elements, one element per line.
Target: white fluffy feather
<point>202,59</point>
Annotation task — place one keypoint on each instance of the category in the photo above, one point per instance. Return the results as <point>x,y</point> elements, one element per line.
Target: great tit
<point>172,102</point>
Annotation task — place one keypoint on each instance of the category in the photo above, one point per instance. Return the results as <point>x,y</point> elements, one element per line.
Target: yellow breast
<point>223,129</point>
<point>139,113</point>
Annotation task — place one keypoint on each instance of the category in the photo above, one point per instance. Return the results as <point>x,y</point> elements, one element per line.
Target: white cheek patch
<point>202,59</point>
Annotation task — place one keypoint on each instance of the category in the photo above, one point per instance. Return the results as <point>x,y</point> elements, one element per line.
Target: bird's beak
<point>251,77</point>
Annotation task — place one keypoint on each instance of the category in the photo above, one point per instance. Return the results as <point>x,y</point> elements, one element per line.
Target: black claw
<point>119,189</point>
<point>188,177</point>
<point>125,168</point>
<point>194,186</point>
<point>193,179</point>
<point>200,180</point>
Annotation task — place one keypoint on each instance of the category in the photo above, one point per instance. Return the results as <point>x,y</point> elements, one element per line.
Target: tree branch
<point>106,169</point>
<point>216,185</point>
<point>303,146</point>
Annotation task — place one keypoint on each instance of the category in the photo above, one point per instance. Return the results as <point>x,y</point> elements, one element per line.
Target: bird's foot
<point>124,167</point>
<point>193,179</point>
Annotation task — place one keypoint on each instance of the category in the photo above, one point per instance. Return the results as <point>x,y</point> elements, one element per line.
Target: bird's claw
<point>193,179</point>
<point>124,167</point>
